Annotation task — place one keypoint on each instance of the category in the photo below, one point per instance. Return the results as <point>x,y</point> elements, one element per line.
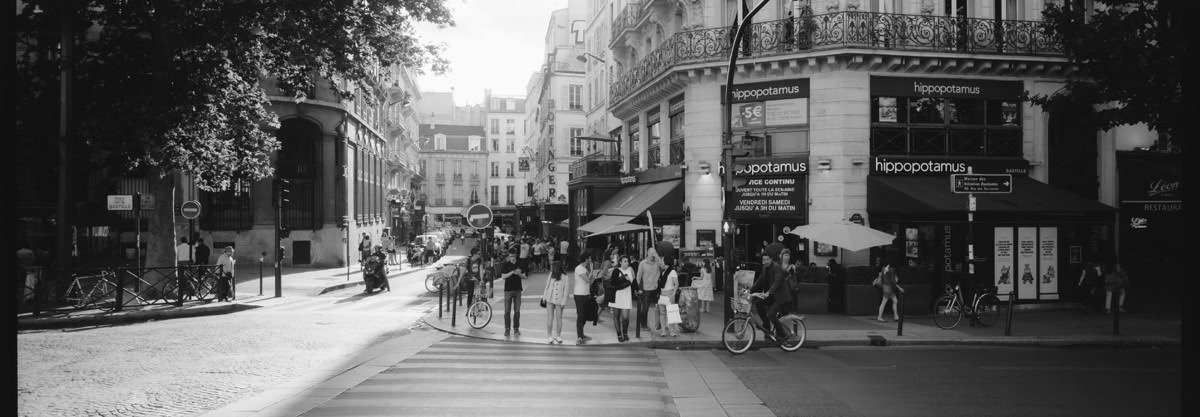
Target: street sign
<point>479,216</point>
<point>190,209</point>
<point>120,202</point>
<point>981,183</point>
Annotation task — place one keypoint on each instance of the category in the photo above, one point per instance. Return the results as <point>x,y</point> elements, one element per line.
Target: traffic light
<point>285,192</point>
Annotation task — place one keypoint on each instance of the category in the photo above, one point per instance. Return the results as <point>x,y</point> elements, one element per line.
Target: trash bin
<point>689,309</point>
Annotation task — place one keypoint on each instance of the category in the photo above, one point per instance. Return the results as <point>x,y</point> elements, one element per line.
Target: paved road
<point>473,377</point>
<point>963,381</point>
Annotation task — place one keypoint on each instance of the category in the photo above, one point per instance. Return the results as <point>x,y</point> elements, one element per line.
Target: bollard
<point>120,290</point>
<point>439,301</point>
<point>454,309</point>
<point>900,312</point>
<point>1008,320</point>
<point>1115,308</point>
<point>260,279</point>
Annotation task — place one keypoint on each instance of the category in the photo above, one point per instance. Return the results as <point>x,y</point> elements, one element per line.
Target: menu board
<point>787,112</point>
<point>1026,263</point>
<point>1048,263</point>
<point>1002,243</point>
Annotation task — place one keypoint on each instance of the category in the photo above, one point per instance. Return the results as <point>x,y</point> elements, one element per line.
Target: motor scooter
<point>375,273</point>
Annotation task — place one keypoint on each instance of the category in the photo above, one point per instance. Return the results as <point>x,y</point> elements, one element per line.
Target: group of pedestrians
<point>1100,282</point>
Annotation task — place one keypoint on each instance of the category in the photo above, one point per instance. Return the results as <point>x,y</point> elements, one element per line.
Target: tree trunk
<point>161,236</point>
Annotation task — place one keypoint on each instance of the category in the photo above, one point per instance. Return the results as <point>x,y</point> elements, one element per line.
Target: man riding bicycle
<point>772,287</point>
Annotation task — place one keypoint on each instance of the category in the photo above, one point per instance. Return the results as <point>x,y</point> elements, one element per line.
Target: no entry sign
<point>190,209</point>
<point>479,216</point>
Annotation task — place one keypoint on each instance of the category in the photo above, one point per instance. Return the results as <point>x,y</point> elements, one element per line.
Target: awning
<point>620,228</point>
<point>919,197</point>
<point>603,222</point>
<point>662,198</point>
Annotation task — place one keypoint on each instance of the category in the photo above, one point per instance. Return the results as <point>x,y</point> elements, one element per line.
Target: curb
<point>129,317</point>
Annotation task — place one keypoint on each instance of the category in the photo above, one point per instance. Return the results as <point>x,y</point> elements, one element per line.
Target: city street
<point>963,381</point>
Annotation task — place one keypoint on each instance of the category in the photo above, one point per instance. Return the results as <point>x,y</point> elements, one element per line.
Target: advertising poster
<point>787,112</point>
<point>1026,263</point>
<point>765,197</point>
<point>1048,262</point>
<point>748,115</point>
<point>887,110</point>
<point>912,246</point>
<point>670,233</point>
<point>1003,244</point>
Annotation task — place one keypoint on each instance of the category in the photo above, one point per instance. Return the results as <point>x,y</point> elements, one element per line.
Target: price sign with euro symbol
<point>749,115</point>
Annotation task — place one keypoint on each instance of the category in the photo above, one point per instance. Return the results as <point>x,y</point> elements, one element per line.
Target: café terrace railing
<point>841,30</point>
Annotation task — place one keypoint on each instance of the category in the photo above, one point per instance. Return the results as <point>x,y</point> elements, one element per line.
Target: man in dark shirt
<point>513,286</point>
<point>772,282</point>
<point>202,252</point>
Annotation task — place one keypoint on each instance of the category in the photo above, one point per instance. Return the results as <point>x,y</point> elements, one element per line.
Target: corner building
<point>857,111</point>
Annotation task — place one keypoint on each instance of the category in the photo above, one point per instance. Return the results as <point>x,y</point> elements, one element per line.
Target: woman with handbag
<point>621,302</point>
<point>889,283</point>
<point>585,304</point>
<point>668,282</point>
<point>554,299</point>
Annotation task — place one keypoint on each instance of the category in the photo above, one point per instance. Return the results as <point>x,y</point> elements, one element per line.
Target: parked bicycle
<point>949,309</point>
<point>739,332</point>
<point>91,289</point>
<point>479,314</point>
<point>444,275</point>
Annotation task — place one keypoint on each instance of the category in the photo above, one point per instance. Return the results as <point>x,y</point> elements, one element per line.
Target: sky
<point>494,44</point>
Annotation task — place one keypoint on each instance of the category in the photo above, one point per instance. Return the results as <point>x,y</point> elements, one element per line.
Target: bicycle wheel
<point>738,335</point>
<point>987,309</point>
<point>431,282</point>
<point>799,333</point>
<point>947,312</point>
<point>479,315</point>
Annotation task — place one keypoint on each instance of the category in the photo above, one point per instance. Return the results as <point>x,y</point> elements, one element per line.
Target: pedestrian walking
<point>1115,281</point>
<point>563,247</point>
<point>524,256</point>
<point>703,285</point>
<point>225,274</point>
<point>585,304</point>
<point>889,285</point>
<point>512,275</point>
<point>202,252</point>
<point>668,282</point>
<point>620,286</point>
<point>554,298</point>
<point>183,252</point>
<point>647,283</point>
<point>389,246</point>
<point>837,287</point>
<point>1091,280</point>
<point>364,247</point>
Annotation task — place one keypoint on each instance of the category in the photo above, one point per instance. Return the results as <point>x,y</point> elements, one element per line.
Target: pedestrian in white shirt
<point>225,265</point>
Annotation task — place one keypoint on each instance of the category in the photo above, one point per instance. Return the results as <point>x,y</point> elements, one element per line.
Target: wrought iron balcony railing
<point>629,17</point>
<point>596,165</point>
<point>653,156</point>
<point>840,30</point>
<point>677,151</point>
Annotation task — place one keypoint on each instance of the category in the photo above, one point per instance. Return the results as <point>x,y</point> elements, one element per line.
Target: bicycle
<point>479,314</point>
<point>442,276</point>
<point>739,332</point>
<point>949,309</point>
<point>90,289</point>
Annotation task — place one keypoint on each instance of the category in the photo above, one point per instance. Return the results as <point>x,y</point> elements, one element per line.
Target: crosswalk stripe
<point>463,376</point>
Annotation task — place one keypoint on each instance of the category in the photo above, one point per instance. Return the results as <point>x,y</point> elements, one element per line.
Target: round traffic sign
<point>479,216</point>
<point>190,209</point>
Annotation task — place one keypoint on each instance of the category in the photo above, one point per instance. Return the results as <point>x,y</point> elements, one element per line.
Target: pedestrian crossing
<point>358,303</point>
<point>463,376</point>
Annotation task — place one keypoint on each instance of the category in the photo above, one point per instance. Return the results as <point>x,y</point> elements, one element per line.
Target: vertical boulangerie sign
<point>1026,263</point>
<point>1048,263</point>
<point>1003,246</point>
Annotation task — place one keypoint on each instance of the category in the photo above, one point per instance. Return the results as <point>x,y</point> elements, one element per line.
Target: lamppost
<point>728,226</point>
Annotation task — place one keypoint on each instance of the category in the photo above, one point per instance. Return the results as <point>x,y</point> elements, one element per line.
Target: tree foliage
<point>163,85</point>
<point>1130,58</point>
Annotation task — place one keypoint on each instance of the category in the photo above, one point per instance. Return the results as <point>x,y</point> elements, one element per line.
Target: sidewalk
<point>1032,325</point>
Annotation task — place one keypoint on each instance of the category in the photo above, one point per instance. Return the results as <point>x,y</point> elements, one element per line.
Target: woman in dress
<point>622,299</point>
<point>704,285</point>
<point>889,283</point>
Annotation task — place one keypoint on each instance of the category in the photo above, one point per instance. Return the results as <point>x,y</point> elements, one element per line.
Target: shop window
<point>926,110</point>
<point>1003,113</point>
<point>965,112</point>
<point>966,142</point>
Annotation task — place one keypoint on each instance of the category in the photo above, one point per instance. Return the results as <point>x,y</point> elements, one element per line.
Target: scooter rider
<point>375,272</point>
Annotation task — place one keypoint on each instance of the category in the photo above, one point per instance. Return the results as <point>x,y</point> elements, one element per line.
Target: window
<point>512,146</point>
<point>495,127</point>
<point>474,169</point>
<point>474,195</point>
<point>511,166</point>
<point>421,163</point>
<point>510,126</point>
<point>576,142</point>
<point>576,97</point>
<point>653,144</point>
<point>510,104</point>
<point>441,169</point>
<point>494,198</point>
<point>509,195</point>
<point>634,146</point>
<point>495,145</point>
<point>458,169</point>
<point>439,142</point>
<point>676,131</point>
<point>945,126</point>
<point>440,197</point>
<point>495,169</point>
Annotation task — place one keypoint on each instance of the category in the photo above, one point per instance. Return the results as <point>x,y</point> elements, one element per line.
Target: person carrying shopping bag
<point>668,283</point>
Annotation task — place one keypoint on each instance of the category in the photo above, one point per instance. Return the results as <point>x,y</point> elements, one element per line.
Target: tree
<point>162,86</point>
<point>1130,58</point>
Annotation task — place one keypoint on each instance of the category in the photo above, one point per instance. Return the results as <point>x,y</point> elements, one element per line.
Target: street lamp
<point>585,55</point>
<point>727,149</point>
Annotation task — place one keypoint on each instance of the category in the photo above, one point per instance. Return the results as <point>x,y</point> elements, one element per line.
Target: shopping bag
<point>673,314</point>
<point>664,300</point>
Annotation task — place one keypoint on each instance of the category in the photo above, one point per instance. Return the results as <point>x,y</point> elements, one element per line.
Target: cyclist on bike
<point>773,290</point>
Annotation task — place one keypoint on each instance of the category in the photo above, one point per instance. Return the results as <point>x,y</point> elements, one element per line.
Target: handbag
<point>543,303</point>
<point>673,316</point>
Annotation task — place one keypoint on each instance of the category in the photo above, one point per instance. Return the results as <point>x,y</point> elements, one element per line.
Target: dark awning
<point>604,222</point>
<point>925,197</point>
<point>662,198</point>
<point>620,228</point>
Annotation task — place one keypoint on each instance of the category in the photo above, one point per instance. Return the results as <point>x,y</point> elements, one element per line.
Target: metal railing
<point>677,148</point>
<point>840,30</point>
<point>118,287</point>
<point>596,165</point>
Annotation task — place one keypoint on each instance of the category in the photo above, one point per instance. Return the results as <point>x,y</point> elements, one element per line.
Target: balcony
<point>653,156</point>
<point>439,202</point>
<point>457,179</point>
<point>439,177</point>
<point>840,30</point>
<point>475,178</point>
<point>596,165</point>
<point>458,202</point>
<point>628,19</point>
<point>677,152</point>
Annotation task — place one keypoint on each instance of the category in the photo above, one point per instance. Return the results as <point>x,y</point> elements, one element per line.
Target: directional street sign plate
<point>981,183</point>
